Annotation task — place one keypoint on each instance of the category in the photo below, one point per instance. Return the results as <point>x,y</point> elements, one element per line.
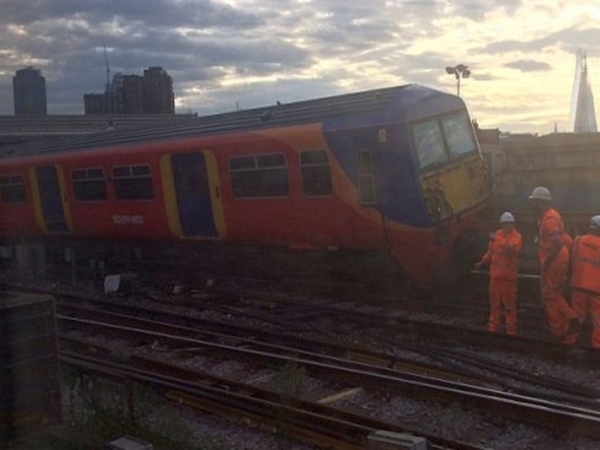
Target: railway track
<point>541,412</point>
<point>448,356</point>
<point>391,328</point>
<point>301,315</point>
<point>312,422</point>
<point>284,322</point>
<point>466,300</point>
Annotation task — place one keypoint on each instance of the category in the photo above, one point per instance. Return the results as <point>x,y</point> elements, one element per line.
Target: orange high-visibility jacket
<point>503,255</point>
<point>585,263</point>
<point>552,230</point>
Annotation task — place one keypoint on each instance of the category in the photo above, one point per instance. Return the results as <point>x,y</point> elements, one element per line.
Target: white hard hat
<point>595,222</point>
<point>507,217</point>
<point>540,193</point>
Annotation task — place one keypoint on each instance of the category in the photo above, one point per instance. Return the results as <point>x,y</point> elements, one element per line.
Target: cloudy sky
<point>228,54</point>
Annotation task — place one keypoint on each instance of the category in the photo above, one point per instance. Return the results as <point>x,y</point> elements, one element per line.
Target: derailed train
<point>397,170</point>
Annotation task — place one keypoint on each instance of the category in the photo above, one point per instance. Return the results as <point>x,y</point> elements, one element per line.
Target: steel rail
<point>585,395</point>
<point>582,358</point>
<point>346,430</point>
<point>517,407</point>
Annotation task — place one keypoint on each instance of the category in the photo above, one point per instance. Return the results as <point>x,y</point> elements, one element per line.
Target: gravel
<point>449,421</point>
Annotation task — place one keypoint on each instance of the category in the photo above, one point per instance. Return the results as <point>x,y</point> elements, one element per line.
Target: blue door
<point>52,206</point>
<point>193,195</point>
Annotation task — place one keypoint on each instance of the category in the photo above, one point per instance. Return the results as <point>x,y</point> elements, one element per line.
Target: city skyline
<point>150,93</point>
<point>229,54</point>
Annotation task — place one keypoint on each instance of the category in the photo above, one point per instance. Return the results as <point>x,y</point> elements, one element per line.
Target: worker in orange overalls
<point>585,277</point>
<point>503,257</point>
<point>553,245</point>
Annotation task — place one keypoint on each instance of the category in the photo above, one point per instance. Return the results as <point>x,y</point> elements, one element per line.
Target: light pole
<point>460,71</point>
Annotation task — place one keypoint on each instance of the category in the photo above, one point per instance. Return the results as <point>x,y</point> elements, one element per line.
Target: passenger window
<point>429,144</point>
<point>133,182</point>
<point>316,174</point>
<point>259,176</point>
<point>366,179</point>
<point>89,185</point>
<point>12,189</point>
<point>242,163</point>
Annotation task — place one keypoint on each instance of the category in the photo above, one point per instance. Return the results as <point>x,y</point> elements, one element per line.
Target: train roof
<point>297,113</point>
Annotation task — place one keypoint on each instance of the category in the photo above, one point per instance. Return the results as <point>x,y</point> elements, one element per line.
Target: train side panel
<point>300,212</point>
<point>17,216</point>
<point>353,179</point>
<point>133,204</point>
<point>64,196</point>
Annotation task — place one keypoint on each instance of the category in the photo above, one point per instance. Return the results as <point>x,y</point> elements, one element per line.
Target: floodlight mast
<point>460,71</point>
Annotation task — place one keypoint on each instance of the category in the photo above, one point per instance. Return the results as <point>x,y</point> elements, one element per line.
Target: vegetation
<point>289,382</point>
<point>97,411</point>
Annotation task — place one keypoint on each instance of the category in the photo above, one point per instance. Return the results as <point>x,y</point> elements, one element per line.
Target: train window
<point>12,189</point>
<point>365,163</point>
<point>89,184</point>
<point>316,174</point>
<point>259,176</point>
<point>78,175</point>
<point>429,143</point>
<point>242,163</point>
<point>458,133</point>
<point>366,179</point>
<point>276,160</point>
<point>133,182</point>
<point>96,173</point>
<point>121,172</point>
<point>367,189</point>
<point>140,170</point>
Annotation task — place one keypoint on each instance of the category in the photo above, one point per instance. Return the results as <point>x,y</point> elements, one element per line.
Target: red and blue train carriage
<point>395,169</point>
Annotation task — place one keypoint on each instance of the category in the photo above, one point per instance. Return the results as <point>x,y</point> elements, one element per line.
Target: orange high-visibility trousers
<point>585,303</point>
<point>558,311</point>
<point>503,296</point>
